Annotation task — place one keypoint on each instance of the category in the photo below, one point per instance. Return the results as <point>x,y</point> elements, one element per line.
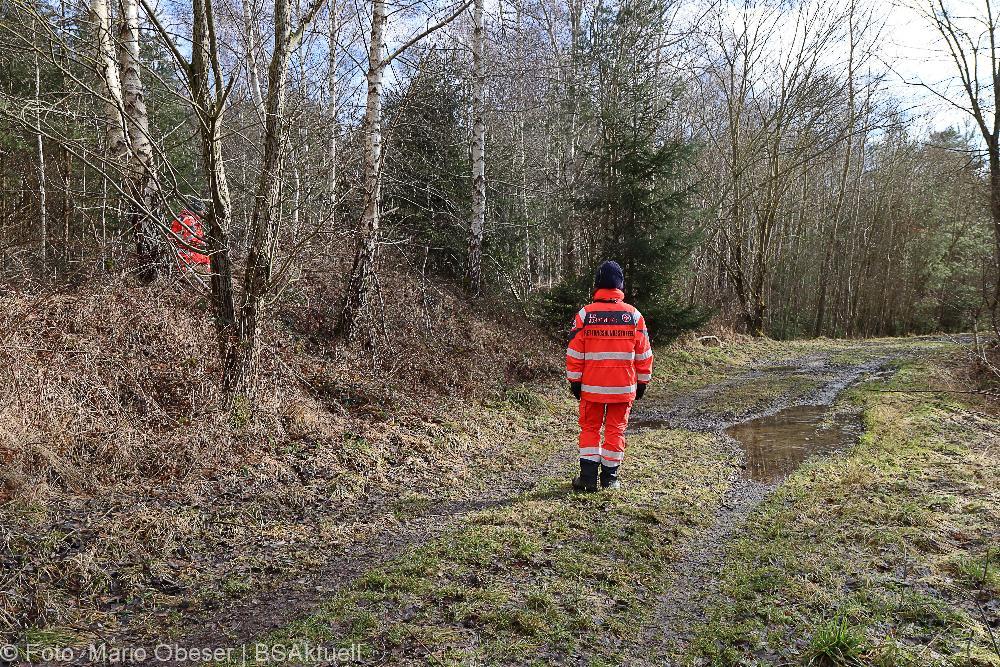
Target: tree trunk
<point>758,302</point>
<point>217,242</point>
<point>217,219</point>
<point>362,273</point>
<point>473,270</point>
<point>142,186</point>
<point>243,356</point>
<point>42,213</point>
<point>333,103</point>
<point>117,134</point>
<point>994,302</point>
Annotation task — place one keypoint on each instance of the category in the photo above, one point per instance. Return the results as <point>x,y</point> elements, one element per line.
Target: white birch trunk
<point>118,146</point>
<point>143,187</point>
<point>250,28</point>
<point>360,286</point>
<point>42,213</point>
<point>133,94</point>
<point>473,275</point>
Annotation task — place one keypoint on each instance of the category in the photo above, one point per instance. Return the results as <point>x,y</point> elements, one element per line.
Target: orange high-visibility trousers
<point>614,418</point>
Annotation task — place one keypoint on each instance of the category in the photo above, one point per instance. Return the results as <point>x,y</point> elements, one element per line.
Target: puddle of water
<point>778,444</point>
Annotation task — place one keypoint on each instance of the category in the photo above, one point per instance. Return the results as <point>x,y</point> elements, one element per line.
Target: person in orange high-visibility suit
<point>188,234</point>
<point>609,362</point>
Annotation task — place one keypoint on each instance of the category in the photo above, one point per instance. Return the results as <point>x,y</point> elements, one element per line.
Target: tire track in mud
<point>695,576</point>
<point>250,618</point>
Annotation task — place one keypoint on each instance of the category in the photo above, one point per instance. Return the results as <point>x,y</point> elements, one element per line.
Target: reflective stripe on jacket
<point>609,350</point>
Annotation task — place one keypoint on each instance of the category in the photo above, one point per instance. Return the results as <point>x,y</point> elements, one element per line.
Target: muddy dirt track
<point>813,381</point>
<point>764,388</point>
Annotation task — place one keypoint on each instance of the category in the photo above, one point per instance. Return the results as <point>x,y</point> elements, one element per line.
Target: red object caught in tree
<point>187,229</point>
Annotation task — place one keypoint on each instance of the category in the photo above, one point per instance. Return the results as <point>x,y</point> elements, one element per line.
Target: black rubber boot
<point>587,481</point>
<point>609,477</point>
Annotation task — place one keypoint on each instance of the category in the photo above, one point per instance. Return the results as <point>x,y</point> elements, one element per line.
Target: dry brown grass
<point>124,484</point>
<point>984,368</point>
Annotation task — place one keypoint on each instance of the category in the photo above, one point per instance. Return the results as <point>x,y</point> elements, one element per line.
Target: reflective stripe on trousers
<point>614,418</point>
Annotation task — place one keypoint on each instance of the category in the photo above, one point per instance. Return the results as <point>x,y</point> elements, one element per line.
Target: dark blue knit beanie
<point>609,276</point>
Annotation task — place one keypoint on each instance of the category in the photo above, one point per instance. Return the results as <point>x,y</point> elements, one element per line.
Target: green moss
<point>237,587</point>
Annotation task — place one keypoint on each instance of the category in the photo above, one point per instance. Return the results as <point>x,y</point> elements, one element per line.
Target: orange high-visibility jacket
<point>187,228</point>
<point>609,350</point>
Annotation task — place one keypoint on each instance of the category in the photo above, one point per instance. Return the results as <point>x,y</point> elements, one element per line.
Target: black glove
<point>576,388</point>
<point>640,389</point>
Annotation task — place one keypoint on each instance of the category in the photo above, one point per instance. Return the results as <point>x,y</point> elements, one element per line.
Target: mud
<point>812,380</point>
<point>766,444</point>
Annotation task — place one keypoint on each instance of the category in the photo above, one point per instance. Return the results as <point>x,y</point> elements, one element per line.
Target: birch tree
<point>143,185</point>
<point>241,359</point>
<point>360,283</point>
<point>114,104</point>
<point>43,216</point>
<point>473,274</point>
<point>128,131</point>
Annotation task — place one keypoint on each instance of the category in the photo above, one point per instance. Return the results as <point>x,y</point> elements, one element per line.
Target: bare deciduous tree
<point>971,35</point>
